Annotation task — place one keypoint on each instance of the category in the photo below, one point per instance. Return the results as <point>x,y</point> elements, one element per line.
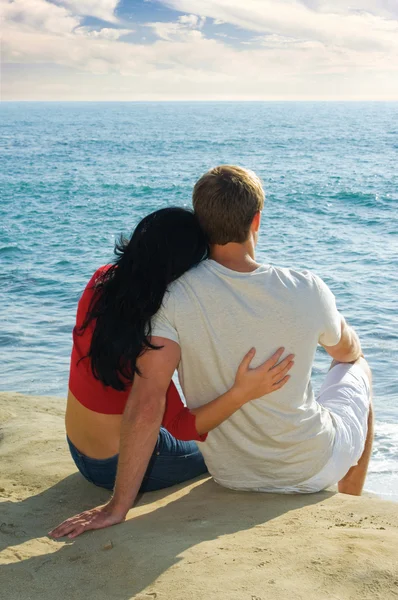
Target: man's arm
<point>348,348</point>
<point>142,419</point>
<point>139,431</point>
<point>339,339</point>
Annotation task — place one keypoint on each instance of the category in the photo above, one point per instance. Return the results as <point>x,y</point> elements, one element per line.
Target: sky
<point>110,50</point>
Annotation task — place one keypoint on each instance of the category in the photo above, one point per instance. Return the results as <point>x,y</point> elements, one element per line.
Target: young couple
<point>187,293</point>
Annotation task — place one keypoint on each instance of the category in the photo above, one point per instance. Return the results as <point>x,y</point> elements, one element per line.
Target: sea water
<point>76,175</point>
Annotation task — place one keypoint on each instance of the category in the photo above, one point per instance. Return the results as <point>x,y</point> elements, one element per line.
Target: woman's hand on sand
<point>96,518</point>
<point>264,379</point>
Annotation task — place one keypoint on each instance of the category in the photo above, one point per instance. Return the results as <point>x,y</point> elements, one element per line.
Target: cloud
<point>174,31</point>
<point>185,28</point>
<point>37,31</point>
<point>288,56</point>
<point>292,18</point>
<point>102,9</point>
<point>189,20</point>
<point>63,17</point>
<point>103,34</point>
<point>382,8</point>
<point>38,15</point>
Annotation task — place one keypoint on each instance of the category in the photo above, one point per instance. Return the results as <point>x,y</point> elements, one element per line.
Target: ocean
<point>76,175</point>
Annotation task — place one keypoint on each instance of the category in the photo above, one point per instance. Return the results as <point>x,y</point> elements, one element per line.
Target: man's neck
<point>237,257</point>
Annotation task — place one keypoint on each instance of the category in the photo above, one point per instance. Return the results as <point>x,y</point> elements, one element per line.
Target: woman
<point>113,327</point>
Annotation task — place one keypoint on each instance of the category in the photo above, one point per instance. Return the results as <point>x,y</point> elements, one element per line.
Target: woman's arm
<point>143,416</point>
<point>249,384</point>
<point>178,419</point>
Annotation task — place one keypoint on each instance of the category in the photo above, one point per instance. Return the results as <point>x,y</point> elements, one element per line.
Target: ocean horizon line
<point>197,101</point>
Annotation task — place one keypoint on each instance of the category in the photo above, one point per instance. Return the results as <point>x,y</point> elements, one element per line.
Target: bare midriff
<point>94,434</point>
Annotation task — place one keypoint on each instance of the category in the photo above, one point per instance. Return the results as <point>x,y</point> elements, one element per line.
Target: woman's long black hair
<point>164,245</point>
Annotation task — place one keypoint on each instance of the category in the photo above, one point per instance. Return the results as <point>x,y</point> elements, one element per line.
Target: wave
<point>385,449</point>
<point>364,199</point>
<point>12,249</point>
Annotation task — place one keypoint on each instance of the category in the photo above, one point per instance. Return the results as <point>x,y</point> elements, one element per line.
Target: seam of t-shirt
<point>170,298</point>
<point>214,265</point>
<point>250,485</point>
<point>319,300</point>
<point>320,293</point>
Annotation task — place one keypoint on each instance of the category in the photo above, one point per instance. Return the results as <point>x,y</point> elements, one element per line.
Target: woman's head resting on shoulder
<point>164,245</point>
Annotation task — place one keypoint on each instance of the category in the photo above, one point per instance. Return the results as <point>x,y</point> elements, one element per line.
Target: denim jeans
<point>172,462</point>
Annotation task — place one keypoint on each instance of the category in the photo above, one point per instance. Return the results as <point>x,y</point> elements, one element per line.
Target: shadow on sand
<point>142,548</point>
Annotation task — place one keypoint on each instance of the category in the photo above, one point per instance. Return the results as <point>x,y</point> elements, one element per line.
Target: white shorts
<point>346,394</point>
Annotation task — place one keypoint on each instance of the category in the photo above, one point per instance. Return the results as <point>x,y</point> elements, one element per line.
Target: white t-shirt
<point>216,315</point>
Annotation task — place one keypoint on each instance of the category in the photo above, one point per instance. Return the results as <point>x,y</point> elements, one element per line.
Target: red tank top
<point>97,397</point>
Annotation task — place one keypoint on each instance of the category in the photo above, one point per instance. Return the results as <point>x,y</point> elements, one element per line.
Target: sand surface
<point>191,542</point>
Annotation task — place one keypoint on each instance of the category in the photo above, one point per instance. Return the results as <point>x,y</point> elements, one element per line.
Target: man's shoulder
<point>192,279</point>
<point>198,273</point>
<point>295,278</point>
<point>205,275</point>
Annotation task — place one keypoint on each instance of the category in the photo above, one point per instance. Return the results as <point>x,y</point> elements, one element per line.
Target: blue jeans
<point>172,462</point>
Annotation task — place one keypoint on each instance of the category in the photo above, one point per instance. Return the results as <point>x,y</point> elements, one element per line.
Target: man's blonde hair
<point>226,200</point>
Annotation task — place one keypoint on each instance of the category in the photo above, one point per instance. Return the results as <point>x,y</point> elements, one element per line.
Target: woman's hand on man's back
<point>264,379</point>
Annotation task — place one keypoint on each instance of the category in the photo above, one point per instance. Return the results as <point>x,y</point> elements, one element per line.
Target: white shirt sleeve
<point>163,324</point>
<point>330,318</point>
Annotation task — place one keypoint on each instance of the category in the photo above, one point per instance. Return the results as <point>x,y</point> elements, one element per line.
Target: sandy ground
<point>191,542</point>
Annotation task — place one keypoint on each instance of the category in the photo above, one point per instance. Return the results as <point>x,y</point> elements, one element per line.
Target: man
<point>286,442</point>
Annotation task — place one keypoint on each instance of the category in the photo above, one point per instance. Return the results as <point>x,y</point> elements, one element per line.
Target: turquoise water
<point>74,176</point>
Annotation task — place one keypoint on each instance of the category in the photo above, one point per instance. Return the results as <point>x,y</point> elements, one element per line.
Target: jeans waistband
<point>76,454</point>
